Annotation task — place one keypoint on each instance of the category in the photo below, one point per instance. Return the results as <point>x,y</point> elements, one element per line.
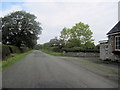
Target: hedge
<point>5,51</point>
<point>79,50</point>
<point>13,49</point>
<point>24,49</point>
<point>9,49</point>
<point>55,49</point>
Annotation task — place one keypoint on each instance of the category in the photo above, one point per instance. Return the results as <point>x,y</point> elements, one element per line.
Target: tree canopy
<point>77,35</point>
<point>20,29</point>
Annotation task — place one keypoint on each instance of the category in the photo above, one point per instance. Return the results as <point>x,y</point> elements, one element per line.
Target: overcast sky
<point>54,15</point>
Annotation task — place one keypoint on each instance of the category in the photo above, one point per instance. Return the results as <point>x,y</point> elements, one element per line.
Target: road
<point>40,70</point>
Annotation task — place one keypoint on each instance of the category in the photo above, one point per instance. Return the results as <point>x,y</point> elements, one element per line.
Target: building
<point>110,49</point>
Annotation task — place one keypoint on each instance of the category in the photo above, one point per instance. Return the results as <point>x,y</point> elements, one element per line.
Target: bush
<point>79,49</point>
<point>24,49</point>
<point>5,51</point>
<point>0,51</point>
<point>55,49</point>
<point>8,49</point>
<point>14,49</point>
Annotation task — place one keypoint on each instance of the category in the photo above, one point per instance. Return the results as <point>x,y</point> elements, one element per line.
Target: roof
<point>115,29</point>
<point>103,41</point>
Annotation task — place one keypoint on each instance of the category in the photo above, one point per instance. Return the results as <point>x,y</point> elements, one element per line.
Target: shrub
<point>0,51</point>
<point>24,49</point>
<point>8,49</point>
<point>14,49</point>
<point>55,49</point>
<point>79,49</point>
<point>5,51</point>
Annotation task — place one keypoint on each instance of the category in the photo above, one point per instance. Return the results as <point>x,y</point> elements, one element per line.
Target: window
<point>117,43</point>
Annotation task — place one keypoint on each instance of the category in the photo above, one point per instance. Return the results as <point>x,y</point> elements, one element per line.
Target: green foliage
<point>9,49</point>
<point>78,38</point>
<point>55,49</point>
<point>38,46</point>
<point>0,34</point>
<point>54,42</point>
<point>64,36</point>
<point>79,49</point>
<point>20,29</point>
<point>89,45</point>
<point>77,35</point>
<point>46,46</point>
<point>54,53</point>
<point>53,45</point>
<point>73,43</point>
<point>13,49</point>
<point>5,51</point>
<point>24,49</point>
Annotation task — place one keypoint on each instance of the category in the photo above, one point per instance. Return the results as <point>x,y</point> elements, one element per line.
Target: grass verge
<point>53,53</point>
<point>14,57</point>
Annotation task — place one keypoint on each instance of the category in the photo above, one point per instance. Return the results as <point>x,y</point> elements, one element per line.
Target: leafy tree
<point>54,42</point>
<point>64,36</point>
<point>73,43</point>
<point>82,32</point>
<point>38,46</point>
<point>20,29</point>
<point>46,45</point>
<point>89,45</point>
<point>0,36</point>
<point>0,29</point>
<point>77,35</point>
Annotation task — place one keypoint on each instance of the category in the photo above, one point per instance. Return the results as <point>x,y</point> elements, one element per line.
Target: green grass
<point>14,58</point>
<point>53,53</point>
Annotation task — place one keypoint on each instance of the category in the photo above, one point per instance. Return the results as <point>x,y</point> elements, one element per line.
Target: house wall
<point>106,50</point>
<point>103,51</point>
<point>111,44</point>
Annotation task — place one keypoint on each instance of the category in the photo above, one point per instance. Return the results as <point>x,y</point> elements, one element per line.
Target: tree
<point>73,43</point>
<point>82,32</point>
<point>46,45</point>
<point>20,29</point>
<point>54,42</point>
<point>77,35</point>
<point>0,36</point>
<point>38,46</point>
<point>64,36</point>
<point>0,29</point>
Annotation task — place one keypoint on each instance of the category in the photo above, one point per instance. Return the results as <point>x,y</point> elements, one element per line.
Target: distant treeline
<point>47,46</point>
<point>76,39</point>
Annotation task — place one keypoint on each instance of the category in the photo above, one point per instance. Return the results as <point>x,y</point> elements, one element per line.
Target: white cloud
<point>12,9</point>
<point>101,16</point>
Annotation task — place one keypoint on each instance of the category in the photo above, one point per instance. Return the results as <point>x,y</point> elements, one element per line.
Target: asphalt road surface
<point>40,70</point>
